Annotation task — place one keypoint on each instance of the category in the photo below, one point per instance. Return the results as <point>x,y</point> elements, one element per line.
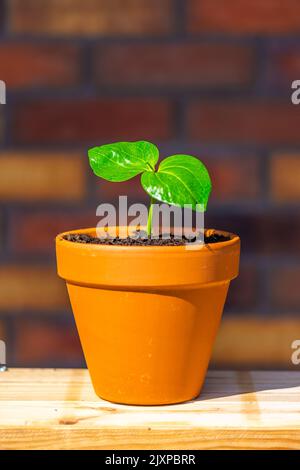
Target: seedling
<point>179,180</point>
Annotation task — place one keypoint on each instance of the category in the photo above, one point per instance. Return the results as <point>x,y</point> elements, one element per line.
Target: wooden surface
<point>57,409</point>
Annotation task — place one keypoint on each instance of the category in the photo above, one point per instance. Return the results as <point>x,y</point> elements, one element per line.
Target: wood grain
<point>58,409</point>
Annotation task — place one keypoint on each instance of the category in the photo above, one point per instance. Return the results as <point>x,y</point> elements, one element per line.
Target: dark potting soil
<point>140,240</point>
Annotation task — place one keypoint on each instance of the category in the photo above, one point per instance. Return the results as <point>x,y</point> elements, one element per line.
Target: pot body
<point>147,316</point>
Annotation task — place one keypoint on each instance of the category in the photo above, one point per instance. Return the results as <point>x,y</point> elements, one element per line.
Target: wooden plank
<point>58,409</point>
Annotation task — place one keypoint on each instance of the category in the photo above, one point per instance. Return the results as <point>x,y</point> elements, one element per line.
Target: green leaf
<point>123,160</point>
<point>180,179</point>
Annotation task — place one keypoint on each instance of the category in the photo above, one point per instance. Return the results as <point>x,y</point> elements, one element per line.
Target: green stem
<point>149,223</point>
<point>152,168</point>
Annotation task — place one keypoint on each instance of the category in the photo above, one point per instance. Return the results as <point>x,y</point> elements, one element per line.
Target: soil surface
<point>140,240</point>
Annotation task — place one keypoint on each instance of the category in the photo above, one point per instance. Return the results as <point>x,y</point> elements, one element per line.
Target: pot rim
<point>146,266</point>
<point>234,239</point>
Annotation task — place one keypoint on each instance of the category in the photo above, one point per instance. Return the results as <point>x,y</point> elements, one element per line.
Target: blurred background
<point>211,78</point>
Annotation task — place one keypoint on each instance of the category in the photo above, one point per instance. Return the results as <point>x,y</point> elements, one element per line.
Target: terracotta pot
<point>147,316</point>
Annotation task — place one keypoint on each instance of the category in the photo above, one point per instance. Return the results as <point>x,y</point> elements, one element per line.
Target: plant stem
<point>149,223</point>
<point>151,167</point>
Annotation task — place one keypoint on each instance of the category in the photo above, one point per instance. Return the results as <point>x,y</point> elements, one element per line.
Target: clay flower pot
<point>147,316</point>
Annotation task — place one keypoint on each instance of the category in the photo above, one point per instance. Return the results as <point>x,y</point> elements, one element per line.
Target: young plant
<point>179,179</point>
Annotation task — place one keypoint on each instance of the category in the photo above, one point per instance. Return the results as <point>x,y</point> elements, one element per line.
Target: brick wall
<point>206,77</point>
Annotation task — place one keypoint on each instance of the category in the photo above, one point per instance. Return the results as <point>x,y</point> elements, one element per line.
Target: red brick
<point>31,288</point>
<point>3,331</point>
<point>244,16</point>
<point>5,344</point>
<point>285,290</point>
<point>264,233</point>
<point>43,176</point>
<point>229,174</point>
<point>261,233</point>
<point>255,341</point>
<point>243,292</point>
<point>46,342</point>
<point>35,231</point>
<point>38,65</point>
<point>251,122</point>
<point>174,65</point>
<point>282,65</point>
<point>1,231</point>
<point>91,17</point>
<point>2,15</point>
<point>108,192</point>
<point>2,124</point>
<point>284,177</point>
<point>65,121</point>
